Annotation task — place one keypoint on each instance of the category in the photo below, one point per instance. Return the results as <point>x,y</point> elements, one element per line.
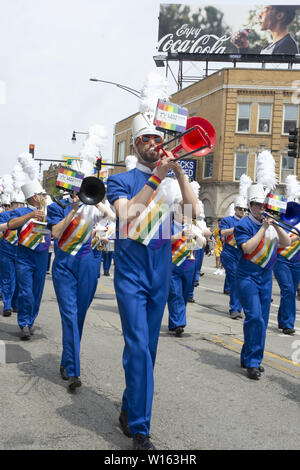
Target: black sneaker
<point>74,382</point>
<point>190,299</point>
<point>142,442</point>
<point>6,313</point>
<point>63,373</point>
<point>288,331</point>
<point>178,331</point>
<point>123,420</point>
<point>25,333</point>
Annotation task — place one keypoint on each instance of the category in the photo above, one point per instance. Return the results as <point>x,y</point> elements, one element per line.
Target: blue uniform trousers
<point>229,262</point>
<point>288,278</point>
<point>107,259</point>
<point>254,288</point>
<point>180,288</point>
<point>199,255</point>
<point>75,283</point>
<point>141,280</point>
<point>9,285</point>
<point>31,269</point>
<point>98,257</point>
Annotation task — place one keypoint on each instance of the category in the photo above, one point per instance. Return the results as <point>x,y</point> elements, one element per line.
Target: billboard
<point>221,30</point>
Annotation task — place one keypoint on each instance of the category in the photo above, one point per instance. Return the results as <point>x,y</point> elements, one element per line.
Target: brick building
<point>251,110</point>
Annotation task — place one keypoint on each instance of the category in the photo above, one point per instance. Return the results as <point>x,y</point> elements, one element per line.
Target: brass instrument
<point>189,243</point>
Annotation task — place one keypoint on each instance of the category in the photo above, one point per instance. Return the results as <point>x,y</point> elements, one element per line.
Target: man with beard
<point>142,272</point>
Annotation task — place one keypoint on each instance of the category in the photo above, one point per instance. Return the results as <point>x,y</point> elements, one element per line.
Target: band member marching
<point>74,270</point>
<point>257,239</point>
<point>142,268</point>
<point>287,267</point>
<point>32,249</point>
<point>230,253</point>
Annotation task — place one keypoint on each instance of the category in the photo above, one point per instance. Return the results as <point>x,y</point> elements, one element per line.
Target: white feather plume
<point>7,183</point>
<point>265,170</point>
<point>244,185</point>
<point>196,187</point>
<point>18,176</point>
<point>230,210</point>
<point>29,165</point>
<point>292,187</point>
<point>130,162</point>
<point>155,87</point>
<point>92,148</point>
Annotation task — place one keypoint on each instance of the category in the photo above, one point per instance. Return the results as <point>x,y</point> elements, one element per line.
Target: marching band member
<point>32,255</point>
<point>74,271</point>
<point>8,251</point>
<point>257,239</point>
<point>186,238</point>
<point>287,267</point>
<point>230,253</point>
<point>142,267</point>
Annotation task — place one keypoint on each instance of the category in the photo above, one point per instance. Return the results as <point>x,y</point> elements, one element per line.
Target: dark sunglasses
<point>241,209</point>
<point>157,138</point>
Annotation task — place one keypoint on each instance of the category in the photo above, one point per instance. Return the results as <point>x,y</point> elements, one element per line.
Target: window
<point>121,151</point>
<point>241,164</point>
<point>290,117</point>
<point>208,166</point>
<point>264,118</point>
<point>287,167</point>
<point>243,124</point>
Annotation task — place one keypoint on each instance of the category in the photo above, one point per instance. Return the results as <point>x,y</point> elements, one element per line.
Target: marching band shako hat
<point>142,124</point>
<point>5,199</point>
<point>256,193</point>
<point>239,201</point>
<point>32,188</point>
<point>17,196</point>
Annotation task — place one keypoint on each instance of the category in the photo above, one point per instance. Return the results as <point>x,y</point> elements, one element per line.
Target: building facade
<point>251,110</point>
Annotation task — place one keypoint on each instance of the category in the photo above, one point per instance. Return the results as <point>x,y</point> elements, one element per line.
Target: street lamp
<point>123,87</point>
<point>74,135</point>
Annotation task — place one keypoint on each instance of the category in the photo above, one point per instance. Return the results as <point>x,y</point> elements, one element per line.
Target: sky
<point>49,49</point>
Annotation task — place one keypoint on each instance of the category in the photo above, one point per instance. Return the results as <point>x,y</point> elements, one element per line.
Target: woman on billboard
<point>274,18</point>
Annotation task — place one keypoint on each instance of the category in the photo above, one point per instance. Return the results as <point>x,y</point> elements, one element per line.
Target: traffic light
<point>31,150</point>
<point>293,143</point>
<point>99,165</point>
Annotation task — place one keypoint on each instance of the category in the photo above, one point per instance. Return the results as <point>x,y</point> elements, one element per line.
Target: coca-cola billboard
<point>229,29</point>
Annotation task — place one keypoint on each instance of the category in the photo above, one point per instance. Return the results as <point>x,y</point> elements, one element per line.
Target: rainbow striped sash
<point>146,226</point>
<point>265,253</point>
<point>290,252</point>
<point>230,240</point>
<point>11,236</point>
<point>76,234</point>
<point>181,250</point>
<point>28,237</point>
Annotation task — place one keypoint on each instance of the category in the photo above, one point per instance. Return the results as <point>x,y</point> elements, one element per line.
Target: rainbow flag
<point>265,254</point>
<point>170,116</point>
<point>11,236</point>
<point>69,179</point>
<point>276,203</point>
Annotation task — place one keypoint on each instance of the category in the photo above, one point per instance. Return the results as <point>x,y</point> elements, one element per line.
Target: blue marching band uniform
<point>149,273</point>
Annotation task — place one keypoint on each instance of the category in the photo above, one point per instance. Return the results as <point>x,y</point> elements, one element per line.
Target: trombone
<point>282,224</point>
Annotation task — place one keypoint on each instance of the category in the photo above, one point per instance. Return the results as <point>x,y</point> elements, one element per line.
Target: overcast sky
<point>48,51</point>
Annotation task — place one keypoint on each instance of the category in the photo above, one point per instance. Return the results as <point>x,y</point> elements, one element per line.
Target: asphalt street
<point>203,399</point>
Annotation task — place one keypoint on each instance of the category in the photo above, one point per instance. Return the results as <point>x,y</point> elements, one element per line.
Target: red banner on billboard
<point>222,30</point>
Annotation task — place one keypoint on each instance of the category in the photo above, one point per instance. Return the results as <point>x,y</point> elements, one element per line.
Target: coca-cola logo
<point>189,39</point>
